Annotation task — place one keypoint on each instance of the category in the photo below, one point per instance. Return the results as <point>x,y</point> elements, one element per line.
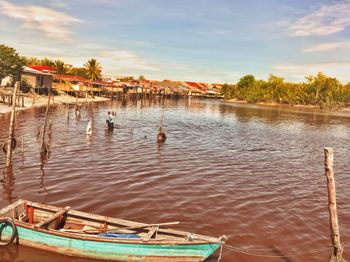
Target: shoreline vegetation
<point>313,109</point>
<point>320,91</point>
<point>275,104</point>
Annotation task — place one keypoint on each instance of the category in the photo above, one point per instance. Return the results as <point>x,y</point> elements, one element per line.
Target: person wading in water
<point>110,121</point>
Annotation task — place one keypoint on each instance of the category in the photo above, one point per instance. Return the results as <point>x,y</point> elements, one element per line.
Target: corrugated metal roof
<point>43,68</point>
<point>27,69</point>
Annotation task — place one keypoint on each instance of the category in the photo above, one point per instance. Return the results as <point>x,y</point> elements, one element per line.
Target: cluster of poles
<point>336,255</point>
<point>11,141</point>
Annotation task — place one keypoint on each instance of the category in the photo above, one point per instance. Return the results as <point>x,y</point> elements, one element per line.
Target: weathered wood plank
<point>150,233</point>
<point>332,206</point>
<point>52,218</point>
<point>9,208</point>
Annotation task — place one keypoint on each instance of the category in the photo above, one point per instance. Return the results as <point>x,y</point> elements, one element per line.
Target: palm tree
<point>47,62</point>
<point>60,67</point>
<point>77,71</point>
<point>93,69</point>
<point>32,61</point>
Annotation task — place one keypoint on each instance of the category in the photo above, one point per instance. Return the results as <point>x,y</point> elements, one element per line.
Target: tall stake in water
<point>11,138</point>
<point>43,145</point>
<point>337,252</point>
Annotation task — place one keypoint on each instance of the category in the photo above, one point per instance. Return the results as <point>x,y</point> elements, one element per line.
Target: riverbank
<point>234,100</point>
<point>40,101</point>
<point>274,104</point>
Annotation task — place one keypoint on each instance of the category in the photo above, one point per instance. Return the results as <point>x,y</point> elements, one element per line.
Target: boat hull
<point>117,251</point>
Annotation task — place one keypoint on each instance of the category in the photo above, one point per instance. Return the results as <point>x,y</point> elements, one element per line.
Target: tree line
<point>319,90</point>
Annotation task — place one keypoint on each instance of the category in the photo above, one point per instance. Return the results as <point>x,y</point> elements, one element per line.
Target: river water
<point>254,173</point>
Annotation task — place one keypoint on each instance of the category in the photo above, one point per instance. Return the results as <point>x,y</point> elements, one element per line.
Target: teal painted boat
<point>80,234</point>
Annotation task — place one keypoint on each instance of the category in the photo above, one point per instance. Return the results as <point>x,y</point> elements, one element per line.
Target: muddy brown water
<point>254,173</point>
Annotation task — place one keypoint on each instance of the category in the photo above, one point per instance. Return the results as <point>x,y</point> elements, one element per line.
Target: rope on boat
<point>222,240</point>
<point>4,222</point>
<point>252,253</point>
<point>221,244</point>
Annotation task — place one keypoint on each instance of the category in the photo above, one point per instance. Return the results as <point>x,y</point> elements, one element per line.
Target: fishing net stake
<point>9,146</point>
<point>337,252</point>
<point>43,144</point>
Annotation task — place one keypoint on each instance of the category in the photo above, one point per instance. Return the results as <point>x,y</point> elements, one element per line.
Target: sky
<point>215,41</point>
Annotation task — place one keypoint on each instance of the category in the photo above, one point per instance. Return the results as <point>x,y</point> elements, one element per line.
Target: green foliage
<point>228,91</point>
<point>47,62</point>
<point>10,62</point>
<point>246,88</point>
<point>32,61</point>
<point>320,90</point>
<point>60,66</point>
<point>77,71</point>
<point>93,69</point>
<point>275,87</point>
<point>126,79</point>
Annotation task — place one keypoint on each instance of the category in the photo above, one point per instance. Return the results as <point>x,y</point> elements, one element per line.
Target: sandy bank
<point>234,100</point>
<point>40,101</point>
<point>277,104</point>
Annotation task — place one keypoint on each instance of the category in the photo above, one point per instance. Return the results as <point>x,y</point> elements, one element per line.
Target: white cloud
<point>298,72</point>
<point>59,4</point>
<point>126,61</point>
<point>54,24</point>
<point>328,19</point>
<point>325,47</point>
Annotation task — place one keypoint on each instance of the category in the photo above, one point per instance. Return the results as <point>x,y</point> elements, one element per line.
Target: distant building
<point>36,78</point>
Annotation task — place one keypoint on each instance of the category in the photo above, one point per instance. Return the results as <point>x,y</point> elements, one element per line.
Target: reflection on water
<point>8,182</point>
<point>254,173</point>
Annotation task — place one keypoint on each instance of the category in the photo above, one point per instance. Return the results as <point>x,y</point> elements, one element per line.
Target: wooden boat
<point>81,234</point>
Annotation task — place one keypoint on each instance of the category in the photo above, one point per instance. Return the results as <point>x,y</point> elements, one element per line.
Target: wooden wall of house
<point>35,80</point>
<point>47,80</point>
<point>29,79</point>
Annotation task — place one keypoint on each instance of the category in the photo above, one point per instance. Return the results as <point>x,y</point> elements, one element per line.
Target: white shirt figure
<point>89,128</point>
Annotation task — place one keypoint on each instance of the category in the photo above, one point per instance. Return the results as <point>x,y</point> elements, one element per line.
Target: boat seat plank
<point>52,218</point>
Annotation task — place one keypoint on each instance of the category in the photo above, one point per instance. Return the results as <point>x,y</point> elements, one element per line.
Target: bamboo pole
<point>337,252</point>
<point>34,96</point>
<point>76,100</point>
<point>8,163</point>
<point>43,145</point>
<point>67,113</point>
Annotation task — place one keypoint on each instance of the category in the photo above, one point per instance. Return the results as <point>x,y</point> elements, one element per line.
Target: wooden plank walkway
<point>6,98</point>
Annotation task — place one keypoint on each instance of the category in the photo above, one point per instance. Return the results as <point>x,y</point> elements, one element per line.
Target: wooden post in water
<point>76,100</point>
<point>337,252</point>
<point>43,145</point>
<point>9,146</point>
